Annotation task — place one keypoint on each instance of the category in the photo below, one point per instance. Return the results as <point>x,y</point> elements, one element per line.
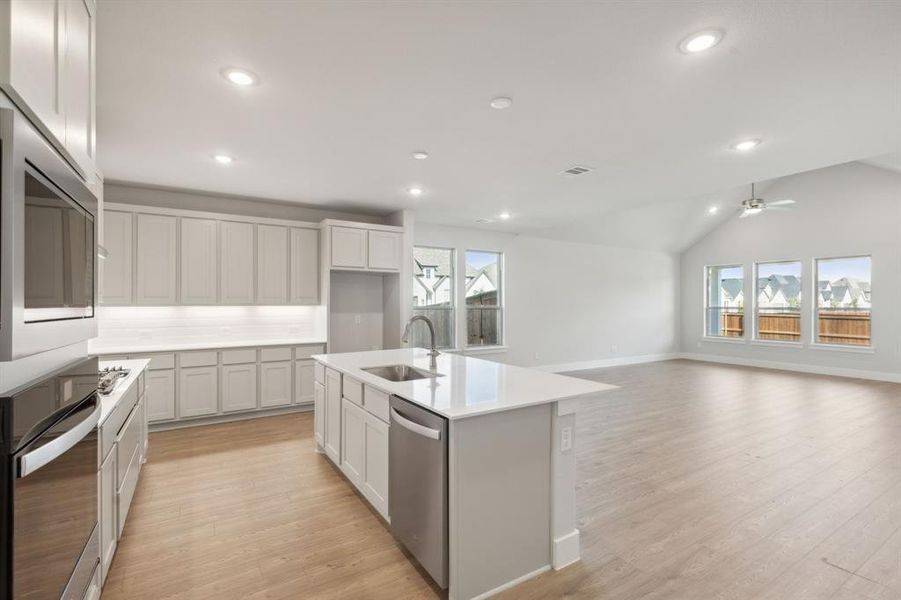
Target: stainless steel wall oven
<point>49,538</point>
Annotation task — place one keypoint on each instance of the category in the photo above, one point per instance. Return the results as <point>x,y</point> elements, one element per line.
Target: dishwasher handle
<point>415,427</point>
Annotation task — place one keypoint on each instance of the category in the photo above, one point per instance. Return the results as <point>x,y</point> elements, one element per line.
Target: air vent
<point>577,170</point>
<point>483,220</point>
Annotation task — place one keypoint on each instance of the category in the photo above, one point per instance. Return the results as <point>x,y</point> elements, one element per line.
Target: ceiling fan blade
<point>782,208</point>
<point>744,214</point>
<point>780,203</point>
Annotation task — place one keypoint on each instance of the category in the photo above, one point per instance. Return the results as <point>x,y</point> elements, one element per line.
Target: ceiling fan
<point>754,205</point>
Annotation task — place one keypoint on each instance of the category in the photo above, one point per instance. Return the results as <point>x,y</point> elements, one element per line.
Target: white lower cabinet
<point>348,423</point>
<point>160,395</point>
<point>198,391</point>
<point>239,387</point>
<point>375,466</point>
<point>353,441</point>
<point>109,522</point>
<point>319,412</point>
<point>275,384</point>
<point>332,442</point>
<point>304,377</point>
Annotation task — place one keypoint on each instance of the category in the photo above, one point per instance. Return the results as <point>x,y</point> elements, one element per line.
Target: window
<point>843,301</point>
<point>433,295</point>
<point>778,303</point>
<point>725,301</point>
<point>484,299</point>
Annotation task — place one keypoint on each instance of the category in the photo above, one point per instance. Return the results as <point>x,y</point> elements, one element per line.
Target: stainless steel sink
<point>401,373</point>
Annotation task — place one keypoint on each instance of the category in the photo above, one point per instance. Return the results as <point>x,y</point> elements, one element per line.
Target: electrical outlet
<point>358,319</point>
<point>566,439</point>
<point>613,349</point>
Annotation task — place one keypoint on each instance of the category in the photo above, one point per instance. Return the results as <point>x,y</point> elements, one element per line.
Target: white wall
<point>844,210</point>
<point>569,302</point>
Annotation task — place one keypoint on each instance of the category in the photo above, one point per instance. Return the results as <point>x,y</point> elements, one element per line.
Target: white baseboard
<point>800,368</point>
<point>565,550</point>
<point>228,418</point>
<point>510,584</point>
<point>606,362</point>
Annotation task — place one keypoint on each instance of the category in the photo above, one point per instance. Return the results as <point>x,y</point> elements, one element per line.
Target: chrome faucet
<point>433,353</point>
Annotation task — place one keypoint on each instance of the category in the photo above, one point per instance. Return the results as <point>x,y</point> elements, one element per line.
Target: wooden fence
<point>834,326</point>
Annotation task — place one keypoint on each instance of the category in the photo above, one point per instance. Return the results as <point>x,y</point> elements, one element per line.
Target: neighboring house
<point>846,292</point>
<point>779,291</point>
<point>432,282</point>
<point>732,293</point>
<point>482,282</point>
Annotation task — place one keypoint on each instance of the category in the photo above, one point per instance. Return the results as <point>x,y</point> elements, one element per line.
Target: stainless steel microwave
<point>48,237</point>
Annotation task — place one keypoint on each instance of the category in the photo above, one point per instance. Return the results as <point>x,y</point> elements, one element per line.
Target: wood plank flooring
<point>696,481</point>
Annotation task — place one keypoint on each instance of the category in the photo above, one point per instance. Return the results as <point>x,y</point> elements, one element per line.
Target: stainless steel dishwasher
<point>417,488</point>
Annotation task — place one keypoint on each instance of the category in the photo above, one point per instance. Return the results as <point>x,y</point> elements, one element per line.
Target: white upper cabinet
<point>32,66</point>
<point>385,250</point>
<point>304,266</point>
<point>236,272</point>
<point>156,263</point>
<point>272,264</point>
<point>78,83</point>
<point>47,67</point>
<point>348,247</point>
<point>117,267</point>
<point>198,261</point>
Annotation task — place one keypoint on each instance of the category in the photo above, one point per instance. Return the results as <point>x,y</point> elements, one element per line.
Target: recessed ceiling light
<point>501,102</point>
<point>700,41</point>
<point>745,145</point>
<point>415,191</point>
<point>713,210</point>
<point>504,215</point>
<point>223,159</point>
<point>420,155</point>
<point>239,76</point>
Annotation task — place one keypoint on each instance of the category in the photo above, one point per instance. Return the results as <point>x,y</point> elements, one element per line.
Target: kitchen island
<point>510,465</point>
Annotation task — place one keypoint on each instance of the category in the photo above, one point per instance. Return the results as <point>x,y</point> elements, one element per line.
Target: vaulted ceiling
<point>347,91</point>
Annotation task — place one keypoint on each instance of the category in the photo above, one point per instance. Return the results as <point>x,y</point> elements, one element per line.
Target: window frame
<point>705,306</point>
<point>453,296</point>
<point>815,342</point>
<point>755,315</point>
<point>501,302</point>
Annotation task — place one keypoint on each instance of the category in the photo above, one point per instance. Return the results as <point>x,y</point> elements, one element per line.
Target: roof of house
<point>431,257</point>
<point>732,287</point>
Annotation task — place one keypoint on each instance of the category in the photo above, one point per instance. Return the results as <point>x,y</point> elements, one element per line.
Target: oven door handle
<point>37,458</point>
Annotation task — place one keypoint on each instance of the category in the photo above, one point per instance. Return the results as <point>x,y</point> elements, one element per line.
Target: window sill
<point>778,343</point>
<point>840,348</point>
<point>484,350</point>
<point>724,340</point>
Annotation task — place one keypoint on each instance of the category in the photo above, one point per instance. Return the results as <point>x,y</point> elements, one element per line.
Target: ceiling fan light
<point>753,210</point>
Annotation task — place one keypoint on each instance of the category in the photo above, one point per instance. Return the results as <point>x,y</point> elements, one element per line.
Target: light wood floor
<point>696,481</point>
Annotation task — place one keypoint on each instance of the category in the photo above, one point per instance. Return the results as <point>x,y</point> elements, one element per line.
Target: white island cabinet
<point>510,466</point>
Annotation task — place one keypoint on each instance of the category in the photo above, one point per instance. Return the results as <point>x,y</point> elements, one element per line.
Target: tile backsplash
<point>198,324</point>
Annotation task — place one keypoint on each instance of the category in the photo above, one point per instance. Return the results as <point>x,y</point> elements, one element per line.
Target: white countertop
<point>135,367</point>
<point>469,386</point>
<point>99,346</point>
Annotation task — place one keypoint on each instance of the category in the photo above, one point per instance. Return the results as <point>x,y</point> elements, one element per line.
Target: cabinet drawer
<point>109,430</point>
<point>376,403</point>
<point>308,351</point>
<point>353,390</point>
<point>126,491</point>
<point>197,359</point>
<point>128,444</point>
<point>160,361</point>
<point>319,373</point>
<point>275,354</point>
<point>237,357</point>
